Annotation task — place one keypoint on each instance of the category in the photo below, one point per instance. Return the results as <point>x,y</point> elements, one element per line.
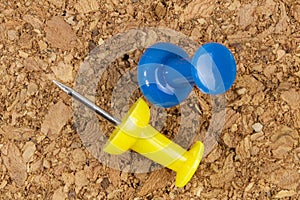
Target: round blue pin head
<point>164,74</point>
<point>214,68</point>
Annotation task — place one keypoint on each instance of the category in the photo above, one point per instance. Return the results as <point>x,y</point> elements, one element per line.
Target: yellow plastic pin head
<point>130,129</point>
<point>136,134</point>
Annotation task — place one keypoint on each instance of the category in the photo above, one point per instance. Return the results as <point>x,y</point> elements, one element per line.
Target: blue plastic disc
<point>164,74</point>
<point>214,68</point>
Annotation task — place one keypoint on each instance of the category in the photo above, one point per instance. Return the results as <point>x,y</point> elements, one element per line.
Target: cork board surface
<point>42,156</point>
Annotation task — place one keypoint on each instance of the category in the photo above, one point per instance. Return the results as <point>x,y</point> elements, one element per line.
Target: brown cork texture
<point>42,155</point>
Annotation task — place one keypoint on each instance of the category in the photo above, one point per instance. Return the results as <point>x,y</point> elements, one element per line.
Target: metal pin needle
<point>87,103</point>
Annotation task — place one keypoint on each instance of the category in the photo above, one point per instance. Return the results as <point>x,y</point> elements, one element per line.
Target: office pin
<point>166,74</point>
<point>135,133</point>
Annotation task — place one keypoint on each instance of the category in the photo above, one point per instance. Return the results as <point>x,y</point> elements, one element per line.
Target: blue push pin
<point>166,74</point>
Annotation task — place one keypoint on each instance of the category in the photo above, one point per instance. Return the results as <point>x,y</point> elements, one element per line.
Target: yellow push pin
<point>135,133</point>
